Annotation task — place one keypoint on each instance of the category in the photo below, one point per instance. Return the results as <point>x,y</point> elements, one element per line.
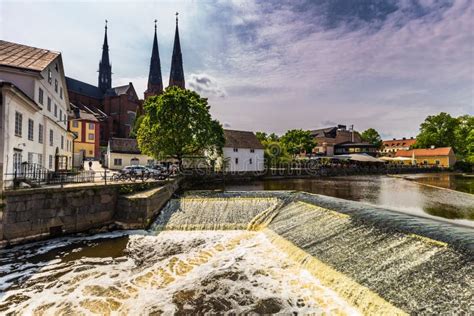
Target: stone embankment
<point>40,213</point>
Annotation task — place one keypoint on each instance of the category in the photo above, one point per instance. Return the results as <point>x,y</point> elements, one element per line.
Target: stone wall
<point>34,214</point>
<point>37,213</point>
<point>137,210</point>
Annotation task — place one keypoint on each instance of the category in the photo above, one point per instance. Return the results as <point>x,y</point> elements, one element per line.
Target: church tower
<point>155,82</point>
<point>177,73</point>
<point>105,68</point>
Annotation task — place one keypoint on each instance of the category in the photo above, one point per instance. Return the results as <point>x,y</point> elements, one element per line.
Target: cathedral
<point>116,107</point>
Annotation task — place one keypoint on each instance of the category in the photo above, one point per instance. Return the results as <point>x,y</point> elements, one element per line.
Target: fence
<point>35,175</point>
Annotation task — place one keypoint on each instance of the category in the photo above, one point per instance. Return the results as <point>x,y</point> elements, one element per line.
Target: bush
<point>464,166</point>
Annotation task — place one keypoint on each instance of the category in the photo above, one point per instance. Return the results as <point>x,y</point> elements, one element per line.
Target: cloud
<point>205,85</point>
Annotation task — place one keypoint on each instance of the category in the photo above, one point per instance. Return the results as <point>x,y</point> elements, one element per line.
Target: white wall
<point>126,160</point>
<point>247,161</point>
<point>14,102</point>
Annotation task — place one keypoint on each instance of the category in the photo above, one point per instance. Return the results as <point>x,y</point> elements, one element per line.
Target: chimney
<point>404,138</point>
<point>341,127</point>
<point>411,137</point>
<point>432,147</point>
<point>394,138</point>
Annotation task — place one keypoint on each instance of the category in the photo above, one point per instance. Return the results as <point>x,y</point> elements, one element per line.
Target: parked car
<point>136,170</point>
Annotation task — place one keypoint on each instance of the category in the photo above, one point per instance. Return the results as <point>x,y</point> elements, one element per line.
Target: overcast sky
<point>276,65</point>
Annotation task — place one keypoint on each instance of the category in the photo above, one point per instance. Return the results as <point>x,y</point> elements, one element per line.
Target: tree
<point>136,125</point>
<point>437,130</point>
<point>371,136</point>
<point>295,141</point>
<point>463,140</point>
<point>261,136</point>
<point>177,124</point>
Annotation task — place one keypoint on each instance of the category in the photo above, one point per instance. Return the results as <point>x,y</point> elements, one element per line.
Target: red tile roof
<point>399,143</point>
<point>424,152</point>
<point>25,57</point>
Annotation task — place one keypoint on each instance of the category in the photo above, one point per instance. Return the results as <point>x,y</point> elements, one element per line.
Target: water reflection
<point>384,191</point>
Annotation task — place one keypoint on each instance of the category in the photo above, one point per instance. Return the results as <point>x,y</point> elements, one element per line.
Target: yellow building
<point>442,157</point>
<point>86,127</point>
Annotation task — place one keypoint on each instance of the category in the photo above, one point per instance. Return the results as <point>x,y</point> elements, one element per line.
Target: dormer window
<point>61,92</point>
<point>56,85</point>
<point>236,150</point>
<point>50,76</point>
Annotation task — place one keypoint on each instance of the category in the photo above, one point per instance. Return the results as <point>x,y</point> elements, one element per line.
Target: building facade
<point>442,157</point>
<point>327,138</point>
<point>34,109</point>
<point>390,147</point>
<point>242,152</point>
<point>122,152</point>
<point>86,129</point>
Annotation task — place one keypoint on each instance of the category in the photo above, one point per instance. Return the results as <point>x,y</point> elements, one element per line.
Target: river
<point>408,196</point>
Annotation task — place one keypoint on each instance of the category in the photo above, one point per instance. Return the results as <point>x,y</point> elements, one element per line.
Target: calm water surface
<point>389,192</point>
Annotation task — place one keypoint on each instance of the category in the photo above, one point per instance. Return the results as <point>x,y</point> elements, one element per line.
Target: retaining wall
<point>34,214</point>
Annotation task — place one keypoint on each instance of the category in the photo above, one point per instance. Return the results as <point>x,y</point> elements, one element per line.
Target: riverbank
<point>449,181</point>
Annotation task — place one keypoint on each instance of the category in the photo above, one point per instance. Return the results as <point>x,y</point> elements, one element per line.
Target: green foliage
<point>437,130</point>
<point>135,187</point>
<point>178,124</point>
<point>136,126</point>
<point>295,141</point>
<point>443,130</point>
<point>371,136</point>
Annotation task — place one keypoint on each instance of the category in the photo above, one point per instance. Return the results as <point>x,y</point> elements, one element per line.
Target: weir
<point>380,261</point>
<point>266,252</point>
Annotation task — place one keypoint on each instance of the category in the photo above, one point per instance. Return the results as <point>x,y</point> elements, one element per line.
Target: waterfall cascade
<point>250,252</point>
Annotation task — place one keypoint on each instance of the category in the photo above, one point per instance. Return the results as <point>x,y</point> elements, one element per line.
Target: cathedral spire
<point>177,73</point>
<point>105,68</point>
<point>155,82</point>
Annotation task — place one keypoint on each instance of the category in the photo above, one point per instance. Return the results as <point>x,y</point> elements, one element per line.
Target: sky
<point>276,65</point>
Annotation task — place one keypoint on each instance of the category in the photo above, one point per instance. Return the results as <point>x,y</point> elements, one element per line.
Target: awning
<point>358,157</point>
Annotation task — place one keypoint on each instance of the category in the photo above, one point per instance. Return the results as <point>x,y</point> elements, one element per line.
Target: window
<point>437,162</point>
<point>50,76</point>
<point>91,136</point>
<point>18,123</point>
<point>56,85</point>
<point>51,138</point>
<point>61,93</point>
<point>252,150</point>
<point>75,124</point>
<point>61,115</point>
<point>40,133</point>
<point>62,142</point>
<point>30,129</point>
<point>250,161</point>
<point>49,104</point>
<point>40,96</point>
<point>236,161</point>
<point>236,150</point>
<point>425,162</point>
<point>117,162</point>
<point>55,110</point>
<point>30,157</point>
<point>50,161</point>
<point>91,126</point>
<point>40,159</point>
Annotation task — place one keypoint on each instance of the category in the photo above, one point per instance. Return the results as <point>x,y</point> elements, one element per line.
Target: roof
<point>351,144</point>
<point>118,90</point>
<point>241,139</point>
<point>399,142</point>
<point>329,132</point>
<point>83,88</point>
<point>124,145</point>
<point>424,152</point>
<point>25,57</point>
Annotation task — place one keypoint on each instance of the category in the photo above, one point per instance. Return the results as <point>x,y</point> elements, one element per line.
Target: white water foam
<point>175,271</point>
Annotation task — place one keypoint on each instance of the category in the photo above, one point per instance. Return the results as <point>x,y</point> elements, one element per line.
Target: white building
<point>34,108</point>
<point>122,152</point>
<point>242,152</point>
